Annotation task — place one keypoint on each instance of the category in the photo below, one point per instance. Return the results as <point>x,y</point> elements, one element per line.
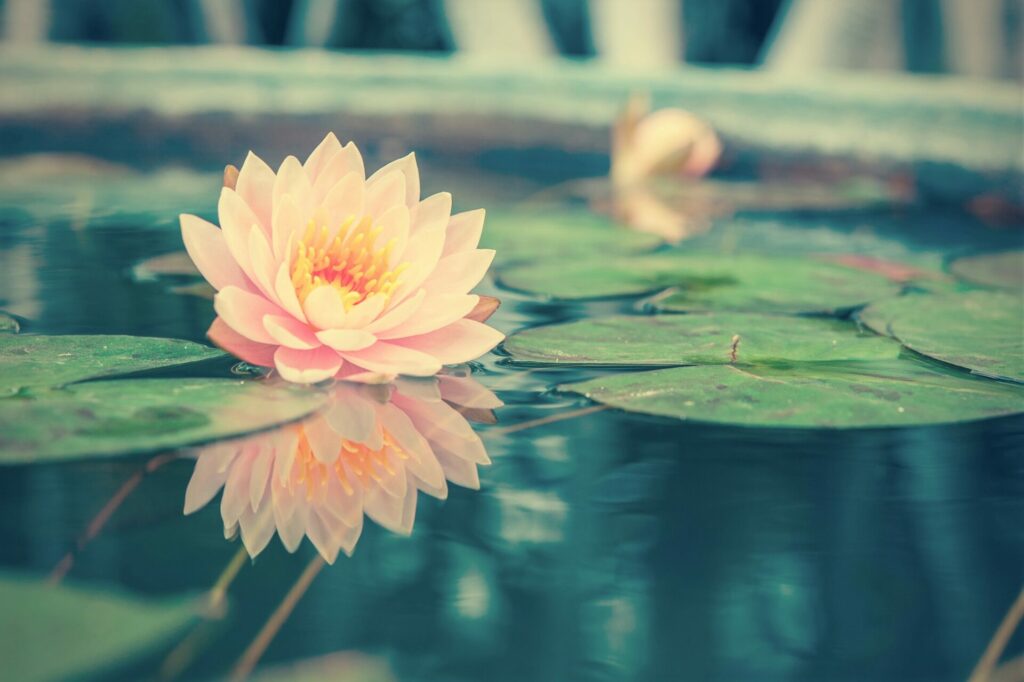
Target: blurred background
<point>976,38</point>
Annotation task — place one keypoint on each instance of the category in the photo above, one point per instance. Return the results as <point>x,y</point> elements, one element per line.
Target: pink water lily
<point>371,451</point>
<point>322,272</point>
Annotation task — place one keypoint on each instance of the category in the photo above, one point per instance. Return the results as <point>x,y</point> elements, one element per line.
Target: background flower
<point>322,272</point>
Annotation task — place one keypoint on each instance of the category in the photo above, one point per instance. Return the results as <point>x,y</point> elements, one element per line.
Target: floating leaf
<point>707,282</point>
<point>350,666</point>
<point>901,392</point>
<point>718,338</point>
<point>175,263</point>
<point>28,361</point>
<point>980,330</point>
<point>199,289</point>
<point>63,632</point>
<point>8,325</point>
<point>107,418</point>
<point>522,235</point>
<point>1004,269</point>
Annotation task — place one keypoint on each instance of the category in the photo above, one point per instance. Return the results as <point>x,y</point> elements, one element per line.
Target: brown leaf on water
<point>230,176</point>
<point>200,289</point>
<point>892,270</point>
<point>485,307</point>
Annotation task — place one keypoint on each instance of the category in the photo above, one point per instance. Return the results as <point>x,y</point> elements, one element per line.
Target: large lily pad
<point>980,330</point>
<point>530,235</point>
<point>107,418</point>
<point>671,340</point>
<point>1004,269</point>
<point>707,282</point>
<point>32,361</point>
<point>901,392</point>
<point>63,632</point>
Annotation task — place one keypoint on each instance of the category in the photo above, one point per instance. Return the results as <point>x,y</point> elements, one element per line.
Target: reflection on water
<point>370,451</point>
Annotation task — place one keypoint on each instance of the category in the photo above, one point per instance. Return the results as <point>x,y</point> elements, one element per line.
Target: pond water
<point>601,544</point>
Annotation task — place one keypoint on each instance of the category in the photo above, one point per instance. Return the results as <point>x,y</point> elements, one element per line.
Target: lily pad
<point>712,339</point>
<point>902,392</point>
<point>1004,269</point>
<point>980,330</point>
<point>527,235</point>
<point>118,417</point>
<point>8,325</point>
<point>32,361</point>
<point>63,632</point>
<point>174,264</point>
<point>694,282</point>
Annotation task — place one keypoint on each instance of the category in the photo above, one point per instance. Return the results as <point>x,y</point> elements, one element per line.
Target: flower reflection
<point>371,450</point>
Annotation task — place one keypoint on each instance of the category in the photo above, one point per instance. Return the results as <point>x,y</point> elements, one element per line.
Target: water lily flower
<point>321,272</point>
<point>668,141</point>
<point>371,451</point>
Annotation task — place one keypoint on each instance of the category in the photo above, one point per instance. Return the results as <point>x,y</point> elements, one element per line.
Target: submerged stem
<point>99,521</point>
<point>551,419</point>
<point>983,670</point>
<point>185,652</point>
<point>245,665</point>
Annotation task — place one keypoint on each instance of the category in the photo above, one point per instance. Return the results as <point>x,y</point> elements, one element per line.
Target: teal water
<point>603,547</point>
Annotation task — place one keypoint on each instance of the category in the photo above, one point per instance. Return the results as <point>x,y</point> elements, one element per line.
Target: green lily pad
<point>707,282</point>
<point>903,392</point>
<point>528,235</point>
<point>118,417</point>
<point>1004,269</point>
<point>8,325</point>
<point>32,361</point>
<point>173,264</point>
<point>980,330</point>
<point>63,632</point>
<point>672,340</point>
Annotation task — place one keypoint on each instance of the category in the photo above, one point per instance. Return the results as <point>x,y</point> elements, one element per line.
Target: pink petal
<point>292,180</point>
<point>323,440</point>
<point>346,339</point>
<point>321,156</point>
<point>306,366</point>
<point>344,200</point>
<point>208,250</point>
<point>464,230</point>
<point>434,211</point>
<point>244,311</point>
<point>236,221</point>
<point>288,219</point>
<point>437,311</point>
<point>231,341</point>
<point>460,272</point>
<point>363,313</point>
<point>263,266</point>
<point>408,168</point>
<point>286,293</point>
<point>460,341</point>
<point>324,308</point>
<point>389,358</point>
<point>467,392</point>
<point>386,192</point>
<point>255,185</point>
<point>422,253</point>
<point>288,331</point>
<point>346,161</point>
<point>394,225</point>
<point>398,314</point>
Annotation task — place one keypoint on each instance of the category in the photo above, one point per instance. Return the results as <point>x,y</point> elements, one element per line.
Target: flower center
<point>364,465</point>
<point>352,262</point>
